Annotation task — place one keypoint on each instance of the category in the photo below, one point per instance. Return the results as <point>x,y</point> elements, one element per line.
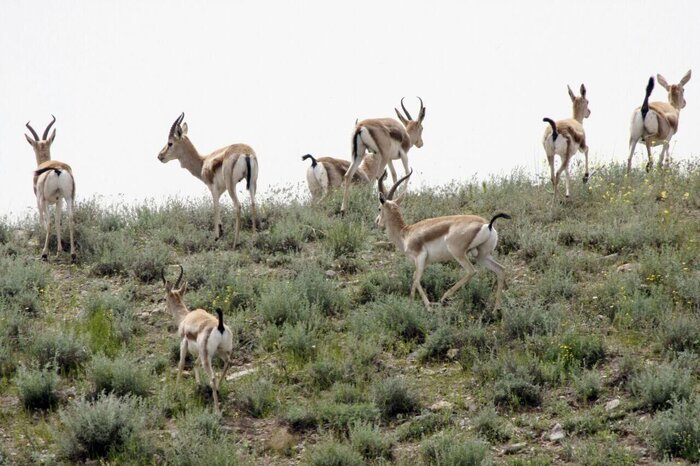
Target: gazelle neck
<point>190,159</point>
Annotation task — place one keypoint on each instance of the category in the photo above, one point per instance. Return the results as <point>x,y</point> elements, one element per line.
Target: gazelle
<point>220,171</point>
<point>326,173</point>
<point>565,138</point>
<point>441,239</point>
<point>53,181</point>
<point>200,333</point>
<point>386,138</point>
<point>655,123</point>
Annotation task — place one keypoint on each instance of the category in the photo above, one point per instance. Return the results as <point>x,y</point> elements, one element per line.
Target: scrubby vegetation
<point>592,357</point>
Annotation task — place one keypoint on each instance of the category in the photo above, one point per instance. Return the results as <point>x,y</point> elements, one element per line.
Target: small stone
<point>331,273</point>
<point>557,433</point>
<point>239,374</point>
<point>612,404</point>
<point>513,448</point>
<point>452,353</point>
<point>440,405</point>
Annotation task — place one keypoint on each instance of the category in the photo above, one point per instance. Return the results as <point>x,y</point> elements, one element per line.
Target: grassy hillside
<point>593,358</point>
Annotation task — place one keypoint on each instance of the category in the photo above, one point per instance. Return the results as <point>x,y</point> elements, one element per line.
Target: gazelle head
<point>176,137</point>
<point>581,109</point>
<point>414,128</point>
<point>387,203</point>
<point>41,146</point>
<point>174,293</point>
<point>675,91</point>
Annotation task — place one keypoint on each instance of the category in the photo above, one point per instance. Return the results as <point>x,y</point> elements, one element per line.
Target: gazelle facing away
<point>441,239</point>
<point>387,139</point>
<point>565,138</point>
<point>220,171</point>
<point>200,333</point>
<point>326,173</point>
<point>655,123</point>
<point>53,181</point>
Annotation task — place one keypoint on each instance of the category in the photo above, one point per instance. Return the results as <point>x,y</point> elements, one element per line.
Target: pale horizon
<point>290,79</point>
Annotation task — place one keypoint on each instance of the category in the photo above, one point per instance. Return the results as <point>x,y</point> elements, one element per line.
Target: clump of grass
<point>100,428</point>
<point>449,449</point>
<point>150,260</point>
<point>369,441</point>
<point>120,376</point>
<point>299,340</point>
<point>393,396</point>
<point>340,416</point>
<point>324,372</point>
<point>577,349</point>
<point>113,254</point>
<point>491,426</point>
<point>322,293</point>
<point>282,302</point>
<point>21,283</point>
<point>421,426</point>
<point>37,388</point>
<point>401,317</point>
<point>438,343</point>
<point>347,393</point>
<point>64,351</point>
<point>115,310</point>
<point>516,391</point>
<point>676,432</point>
<point>681,334</point>
<point>333,453</point>
<point>587,386</point>
<point>258,397</point>
<point>301,417</point>
<point>657,387</point>
<point>520,321</point>
<point>344,238</point>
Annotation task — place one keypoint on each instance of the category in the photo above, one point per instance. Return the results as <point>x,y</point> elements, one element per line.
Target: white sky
<point>290,78</point>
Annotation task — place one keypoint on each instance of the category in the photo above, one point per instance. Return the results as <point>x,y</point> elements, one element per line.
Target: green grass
<point>346,368</point>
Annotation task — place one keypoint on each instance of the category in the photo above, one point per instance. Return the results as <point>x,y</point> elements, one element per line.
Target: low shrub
<point>657,387</point>
<point>489,425</point>
<point>64,351</point>
<point>340,416</point>
<point>516,391</point>
<point>150,260</point>
<point>392,396</point>
<point>369,441</point>
<point>681,334</point>
<point>421,426</point>
<point>100,428</point>
<point>37,388</point>
<point>587,386</point>
<point>344,238</point>
<point>676,432</point>
<point>449,449</point>
<point>258,397</point>
<point>333,453</point>
<point>120,376</point>
<point>299,340</point>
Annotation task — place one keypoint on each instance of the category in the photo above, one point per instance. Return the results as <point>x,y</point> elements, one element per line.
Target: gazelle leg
<point>469,273</point>
<point>420,262</point>
<point>206,362</point>
<point>218,227</point>
<point>253,213</point>
<point>633,143</point>
<point>57,215</point>
<point>650,163</point>
<point>587,174</point>
<point>347,179</point>
<point>663,155</point>
<point>237,208</point>
<point>47,223</point>
<point>183,355</point>
<point>392,170</point>
<point>227,364</point>
<point>567,180</point>
<point>71,227</point>
<point>498,269</point>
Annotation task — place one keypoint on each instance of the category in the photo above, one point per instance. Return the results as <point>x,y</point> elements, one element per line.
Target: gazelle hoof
<point>45,257</point>
<point>649,166</point>
<point>585,177</point>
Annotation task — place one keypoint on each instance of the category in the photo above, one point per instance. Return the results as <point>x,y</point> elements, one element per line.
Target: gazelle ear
<point>184,129</point>
<point>183,289</point>
<point>31,141</point>
<point>661,80</point>
<point>583,90</point>
<point>53,136</point>
<point>421,115</point>
<point>571,93</point>
<point>401,117</point>
<point>686,78</point>
<point>382,198</point>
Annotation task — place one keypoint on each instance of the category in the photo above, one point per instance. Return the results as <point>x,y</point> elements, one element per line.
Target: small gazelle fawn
<point>655,123</point>
<point>388,140</point>
<point>441,239</point>
<point>202,334</point>
<point>565,138</point>
<point>326,173</point>
<point>220,171</point>
<point>53,181</point>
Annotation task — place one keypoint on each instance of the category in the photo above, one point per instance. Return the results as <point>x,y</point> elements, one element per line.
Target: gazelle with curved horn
<point>655,123</point>
<point>52,181</point>
<point>388,139</point>
<point>202,334</point>
<point>565,138</point>
<point>326,173</point>
<point>220,171</point>
<point>441,239</point>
